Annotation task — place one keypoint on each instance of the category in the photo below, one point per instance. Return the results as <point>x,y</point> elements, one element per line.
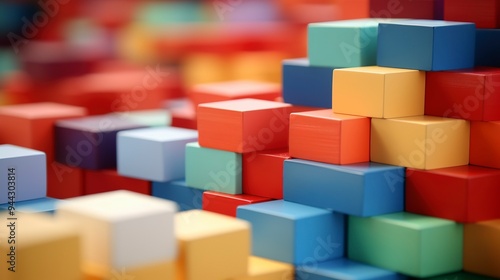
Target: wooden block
<point>425,45</point>
<point>186,197</point>
<point>485,14</point>
<point>482,248</point>
<point>328,137</point>
<point>265,269</point>
<point>263,173</point>
<point>33,242</point>
<point>379,92</point>
<point>154,271</point>
<point>39,205</point>
<point>200,68</point>
<point>209,241</point>
<point>465,194</point>
<point>467,94</point>
<point>306,85</point>
<point>154,154</point>
<point>183,114</point>
<point>487,44</point>
<point>226,204</point>
<point>484,150</point>
<point>244,125</point>
<point>90,142</point>
<point>24,174</point>
<point>151,118</point>
<point>422,142</point>
<point>110,224</point>
<point>107,180</point>
<point>259,65</point>
<point>410,244</point>
<point>294,233</point>
<point>421,9</point>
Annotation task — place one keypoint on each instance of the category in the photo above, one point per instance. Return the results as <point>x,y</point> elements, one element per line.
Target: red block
<point>484,145</point>
<point>263,173</point>
<point>466,194</point>
<point>183,114</point>
<point>226,204</point>
<point>419,9</point>
<point>98,181</point>
<point>484,13</point>
<point>467,94</point>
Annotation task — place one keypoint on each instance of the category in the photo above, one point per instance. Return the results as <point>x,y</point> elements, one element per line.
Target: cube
<point>208,241</point>
<point>484,150</point>
<point>410,244</point>
<point>244,125</point>
<point>186,197</point>
<point>154,154</point>
<point>378,92</point>
<point>425,44</point>
<point>362,189</point>
<point>294,233</point>
<point>482,248</point>
<point>211,169</point>
<point>113,224</point>
<point>485,14</point>
<point>24,174</point>
<point>39,205</point>
<point>487,44</point>
<point>422,142</point>
<point>265,269</point>
<point>329,137</point>
<point>107,180</point>
<point>226,204</point>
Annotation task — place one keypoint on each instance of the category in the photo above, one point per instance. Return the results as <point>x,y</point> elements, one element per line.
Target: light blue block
<point>154,154</point>
<point>211,169</point>
<point>430,45</point>
<point>294,233</point>
<point>362,189</point>
<point>39,205</point>
<point>23,174</point>
<point>186,197</point>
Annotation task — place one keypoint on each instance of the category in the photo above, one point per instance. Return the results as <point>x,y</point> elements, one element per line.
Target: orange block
<point>98,181</point>
<point>328,137</point>
<point>226,204</point>
<point>484,148</point>
<point>243,125</point>
<point>482,248</point>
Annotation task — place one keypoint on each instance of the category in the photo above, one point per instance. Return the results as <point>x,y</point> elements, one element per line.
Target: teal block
<point>40,205</point>
<point>211,169</point>
<point>410,244</point>
<point>186,197</point>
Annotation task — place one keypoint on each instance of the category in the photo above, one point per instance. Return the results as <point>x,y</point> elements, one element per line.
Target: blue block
<point>306,85</point>
<point>362,189</point>
<point>344,269</point>
<point>186,197</point>
<point>430,45</point>
<point>294,233</point>
<point>40,205</point>
<point>487,47</point>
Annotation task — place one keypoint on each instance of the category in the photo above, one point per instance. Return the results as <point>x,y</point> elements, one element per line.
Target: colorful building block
<point>422,9</point>
<point>24,174</point>
<point>183,114</point>
<point>410,244</point>
<point>465,194</point>
<point>467,94</point>
<point>152,118</point>
<point>422,142</point>
<point>485,14</point>
<point>294,233</point>
<point>154,271</point>
<point>38,205</point>
<point>90,142</point>
<point>487,45</point>
<point>460,276</point>
<point>484,149</point>
<point>362,189</point>
<point>265,269</point>
<point>263,173</point>
<point>306,85</point>
<point>425,45</point>
<point>482,248</point>
<point>226,204</point>
<point>244,125</point>
<point>111,226</point>
<point>187,198</point>
<point>154,154</point>
<point>107,180</point>
<point>211,169</point>
<point>378,92</point>
<point>347,43</point>
<point>211,246</point>
<point>328,137</point>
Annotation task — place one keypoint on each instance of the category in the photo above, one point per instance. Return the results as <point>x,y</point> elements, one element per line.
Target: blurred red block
<point>226,204</point>
<point>484,13</point>
<point>183,113</point>
<point>418,9</point>
<point>98,181</point>
<point>484,147</point>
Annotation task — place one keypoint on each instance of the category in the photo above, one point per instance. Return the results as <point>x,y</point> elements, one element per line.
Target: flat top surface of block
<point>466,171</point>
<point>160,134</point>
<point>303,61</point>
<point>355,168</point>
<point>427,23</point>
<point>348,23</point>
<point>327,114</point>
<point>154,117</point>
<point>236,88</point>
<point>11,151</point>
<point>42,110</point>
<point>425,120</point>
<point>285,209</point>
<point>195,224</point>
<point>244,105</point>
<point>491,223</point>
<point>102,123</point>
<point>376,70</point>
<point>413,221</point>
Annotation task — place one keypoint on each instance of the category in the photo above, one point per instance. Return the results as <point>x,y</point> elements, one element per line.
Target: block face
<point>424,45</point>
<point>427,142</point>
<point>40,205</point>
<point>414,245</point>
<point>266,269</point>
<point>485,14</point>
<point>481,246</point>
<point>363,189</point>
<point>99,181</point>
<point>186,197</point>
<point>211,169</point>
<point>162,148</point>
<point>487,44</point>
<point>420,9</point>
<point>226,204</point>
<point>483,148</point>
<point>383,93</point>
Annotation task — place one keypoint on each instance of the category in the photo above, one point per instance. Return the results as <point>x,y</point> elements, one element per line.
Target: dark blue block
<point>39,205</point>
<point>430,45</point>
<point>188,198</point>
<point>306,85</point>
<point>362,189</point>
<point>488,47</point>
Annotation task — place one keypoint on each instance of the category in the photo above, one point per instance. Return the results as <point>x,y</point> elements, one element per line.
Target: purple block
<point>90,142</point>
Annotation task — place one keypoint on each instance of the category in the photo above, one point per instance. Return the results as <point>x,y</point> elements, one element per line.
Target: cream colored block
<point>265,269</point>
<point>43,248</point>
<point>422,142</point>
<point>378,92</point>
<point>153,271</point>
<point>211,245</point>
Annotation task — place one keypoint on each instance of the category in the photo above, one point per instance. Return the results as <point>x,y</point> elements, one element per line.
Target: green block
<point>211,169</point>
<point>410,244</point>
<point>151,118</point>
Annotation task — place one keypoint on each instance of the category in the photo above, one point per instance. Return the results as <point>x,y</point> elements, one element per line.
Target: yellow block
<point>482,248</point>
<point>265,269</point>
<point>202,68</point>
<point>211,245</point>
<point>422,142</point>
<point>42,248</point>
<point>259,65</point>
<point>378,92</point>
<point>154,271</point>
